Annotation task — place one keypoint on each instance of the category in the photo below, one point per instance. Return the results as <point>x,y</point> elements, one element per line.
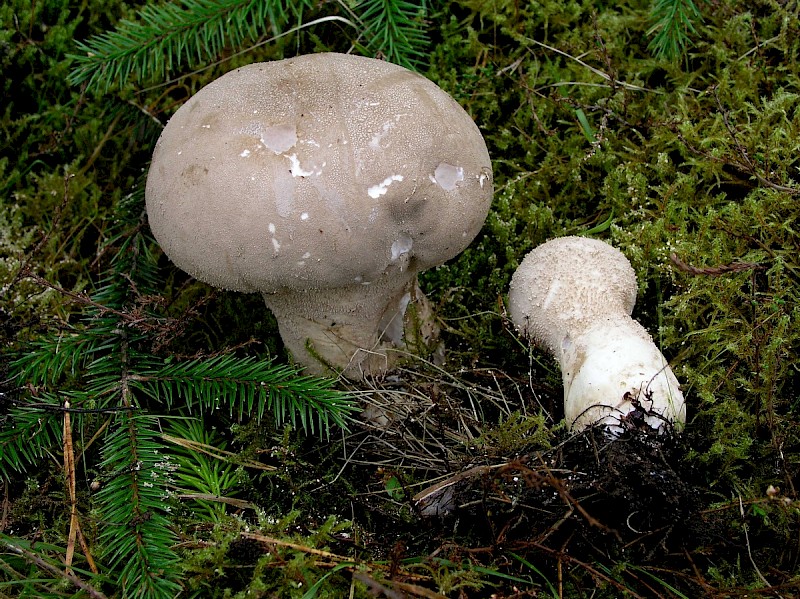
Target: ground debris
<point>444,481</point>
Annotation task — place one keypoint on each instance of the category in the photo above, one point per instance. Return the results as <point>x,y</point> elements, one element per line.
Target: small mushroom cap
<point>567,285</point>
<point>317,172</point>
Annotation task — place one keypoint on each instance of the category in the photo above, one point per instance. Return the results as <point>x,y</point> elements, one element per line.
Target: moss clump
<point>517,434</point>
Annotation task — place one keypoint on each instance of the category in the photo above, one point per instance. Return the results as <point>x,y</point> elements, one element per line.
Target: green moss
<point>518,433</point>
<point>237,559</point>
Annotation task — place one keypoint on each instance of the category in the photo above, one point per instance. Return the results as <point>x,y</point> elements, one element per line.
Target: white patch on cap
<point>552,294</point>
<point>381,188</point>
<point>447,175</point>
<point>375,142</point>
<point>279,138</point>
<point>296,169</point>
<point>304,216</point>
<point>401,250</point>
<point>245,154</point>
<point>482,179</point>
<point>275,243</point>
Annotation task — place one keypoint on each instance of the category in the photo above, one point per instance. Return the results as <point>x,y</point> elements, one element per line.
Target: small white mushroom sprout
<point>326,183</point>
<point>574,296</point>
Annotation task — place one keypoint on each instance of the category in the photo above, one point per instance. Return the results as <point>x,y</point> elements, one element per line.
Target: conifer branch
<point>395,29</point>
<point>204,473</point>
<point>137,535</point>
<point>25,438</point>
<point>673,23</point>
<point>103,364</point>
<point>166,37</point>
<point>246,386</point>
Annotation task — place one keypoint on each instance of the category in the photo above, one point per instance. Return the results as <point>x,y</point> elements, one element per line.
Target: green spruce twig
<point>395,29</point>
<point>166,37</point>
<point>137,533</point>
<point>203,471</point>
<point>245,387</point>
<point>673,23</point>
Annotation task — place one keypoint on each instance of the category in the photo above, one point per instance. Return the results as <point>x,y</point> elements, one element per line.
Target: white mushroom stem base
<point>614,375</point>
<point>356,330</point>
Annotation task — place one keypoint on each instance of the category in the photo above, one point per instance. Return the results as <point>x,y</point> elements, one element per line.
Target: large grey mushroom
<point>574,296</point>
<point>325,182</point>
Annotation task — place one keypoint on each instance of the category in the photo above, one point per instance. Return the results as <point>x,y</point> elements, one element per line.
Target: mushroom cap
<point>565,286</point>
<point>317,172</point>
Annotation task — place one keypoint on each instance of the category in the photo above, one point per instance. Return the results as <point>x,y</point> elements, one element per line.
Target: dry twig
<point>44,565</point>
<point>713,271</point>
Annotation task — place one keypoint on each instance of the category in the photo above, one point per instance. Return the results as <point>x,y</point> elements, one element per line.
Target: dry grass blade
<point>426,417</point>
<point>594,70</point>
<point>215,452</point>
<point>423,430</point>
<point>405,589</point>
<point>296,546</point>
<point>69,473</point>
<point>75,533</point>
<point>232,501</point>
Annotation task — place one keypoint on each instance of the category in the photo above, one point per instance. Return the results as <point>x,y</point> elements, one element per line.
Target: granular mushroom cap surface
<point>316,172</point>
<point>570,284</point>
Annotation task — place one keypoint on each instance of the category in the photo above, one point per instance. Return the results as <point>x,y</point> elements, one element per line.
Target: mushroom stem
<point>356,330</point>
<point>613,370</point>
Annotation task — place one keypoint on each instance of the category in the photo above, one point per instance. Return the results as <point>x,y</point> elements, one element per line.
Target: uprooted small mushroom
<point>325,182</point>
<point>574,296</point>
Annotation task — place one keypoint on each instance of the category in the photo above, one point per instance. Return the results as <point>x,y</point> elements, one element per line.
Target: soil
<point>629,515</point>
